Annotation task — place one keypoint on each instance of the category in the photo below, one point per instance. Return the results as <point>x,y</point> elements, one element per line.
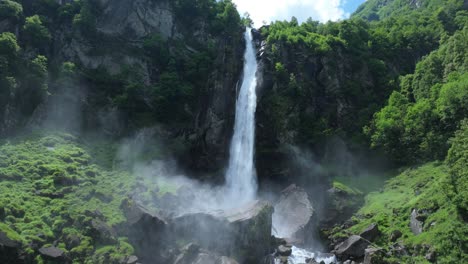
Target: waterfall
<point>241,182</point>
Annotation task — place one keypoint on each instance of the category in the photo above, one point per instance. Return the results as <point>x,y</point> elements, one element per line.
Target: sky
<point>321,10</point>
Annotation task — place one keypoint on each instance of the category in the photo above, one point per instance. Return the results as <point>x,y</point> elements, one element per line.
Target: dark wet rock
<point>147,232</point>
<point>371,233</point>
<point>398,250</point>
<point>431,256</point>
<point>277,241</point>
<point>95,214</point>
<point>102,232</point>
<point>72,241</point>
<point>243,232</point>
<point>284,250</point>
<point>353,247</point>
<point>373,255</point>
<point>293,214</point>
<point>9,249</point>
<point>51,195</point>
<point>54,254</point>
<point>396,234</point>
<point>415,225</point>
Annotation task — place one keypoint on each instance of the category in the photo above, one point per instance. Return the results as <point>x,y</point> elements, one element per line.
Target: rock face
<point>136,18</point>
<point>371,232</point>
<point>293,214</point>
<point>243,233</point>
<point>192,254</point>
<point>9,249</point>
<point>353,247</point>
<point>146,232</point>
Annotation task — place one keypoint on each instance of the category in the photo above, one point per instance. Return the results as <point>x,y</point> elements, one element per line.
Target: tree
<point>9,47</point>
<point>10,10</point>
<point>36,34</point>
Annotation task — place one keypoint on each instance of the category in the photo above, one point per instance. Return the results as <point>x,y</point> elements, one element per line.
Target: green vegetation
<point>10,10</point>
<point>49,190</point>
<point>428,189</point>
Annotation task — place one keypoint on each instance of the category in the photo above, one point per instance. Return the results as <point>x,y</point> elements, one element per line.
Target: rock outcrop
<point>9,249</point>
<point>243,233</point>
<point>354,247</point>
<point>147,232</point>
<point>193,254</point>
<point>293,214</point>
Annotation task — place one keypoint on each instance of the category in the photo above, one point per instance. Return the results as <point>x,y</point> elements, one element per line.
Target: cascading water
<point>241,182</point>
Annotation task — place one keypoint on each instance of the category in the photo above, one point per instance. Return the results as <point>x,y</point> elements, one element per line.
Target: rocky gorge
<point>119,121</point>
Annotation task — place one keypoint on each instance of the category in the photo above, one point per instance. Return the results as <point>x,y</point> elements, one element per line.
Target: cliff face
<point>308,97</point>
<point>139,52</point>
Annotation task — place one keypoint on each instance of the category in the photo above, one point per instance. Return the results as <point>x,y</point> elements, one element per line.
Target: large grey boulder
<point>354,247</point>
<point>293,214</point>
<point>243,233</point>
<point>147,232</point>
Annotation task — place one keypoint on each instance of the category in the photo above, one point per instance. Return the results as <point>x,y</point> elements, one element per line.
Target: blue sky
<point>321,10</point>
<point>351,5</point>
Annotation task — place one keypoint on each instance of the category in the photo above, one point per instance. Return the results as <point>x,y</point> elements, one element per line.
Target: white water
<point>299,256</point>
<point>241,182</point>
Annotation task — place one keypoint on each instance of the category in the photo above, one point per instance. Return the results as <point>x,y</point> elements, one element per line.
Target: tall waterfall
<point>241,178</point>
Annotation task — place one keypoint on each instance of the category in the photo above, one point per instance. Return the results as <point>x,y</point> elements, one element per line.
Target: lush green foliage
<point>418,120</point>
<point>429,189</point>
<point>36,33</point>
<point>457,160</point>
<point>49,185</point>
<point>10,10</point>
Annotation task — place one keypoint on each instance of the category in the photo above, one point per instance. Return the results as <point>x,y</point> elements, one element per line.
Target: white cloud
<point>270,10</point>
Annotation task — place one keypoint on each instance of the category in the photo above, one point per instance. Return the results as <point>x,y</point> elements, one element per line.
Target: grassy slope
<point>426,188</point>
<point>40,166</point>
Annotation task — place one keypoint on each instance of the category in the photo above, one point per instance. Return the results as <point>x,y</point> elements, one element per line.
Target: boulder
<point>9,249</point>
<point>415,225</point>
<point>132,260</point>
<point>284,250</point>
<point>147,232</point>
<point>193,254</point>
<point>54,254</point>
<point>102,232</point>
<point>293,214</point>
<point>353,247</point>
<point>244,232</point>
<point>373,255</point>
<point>371,232</point>
<point>396,234</point>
